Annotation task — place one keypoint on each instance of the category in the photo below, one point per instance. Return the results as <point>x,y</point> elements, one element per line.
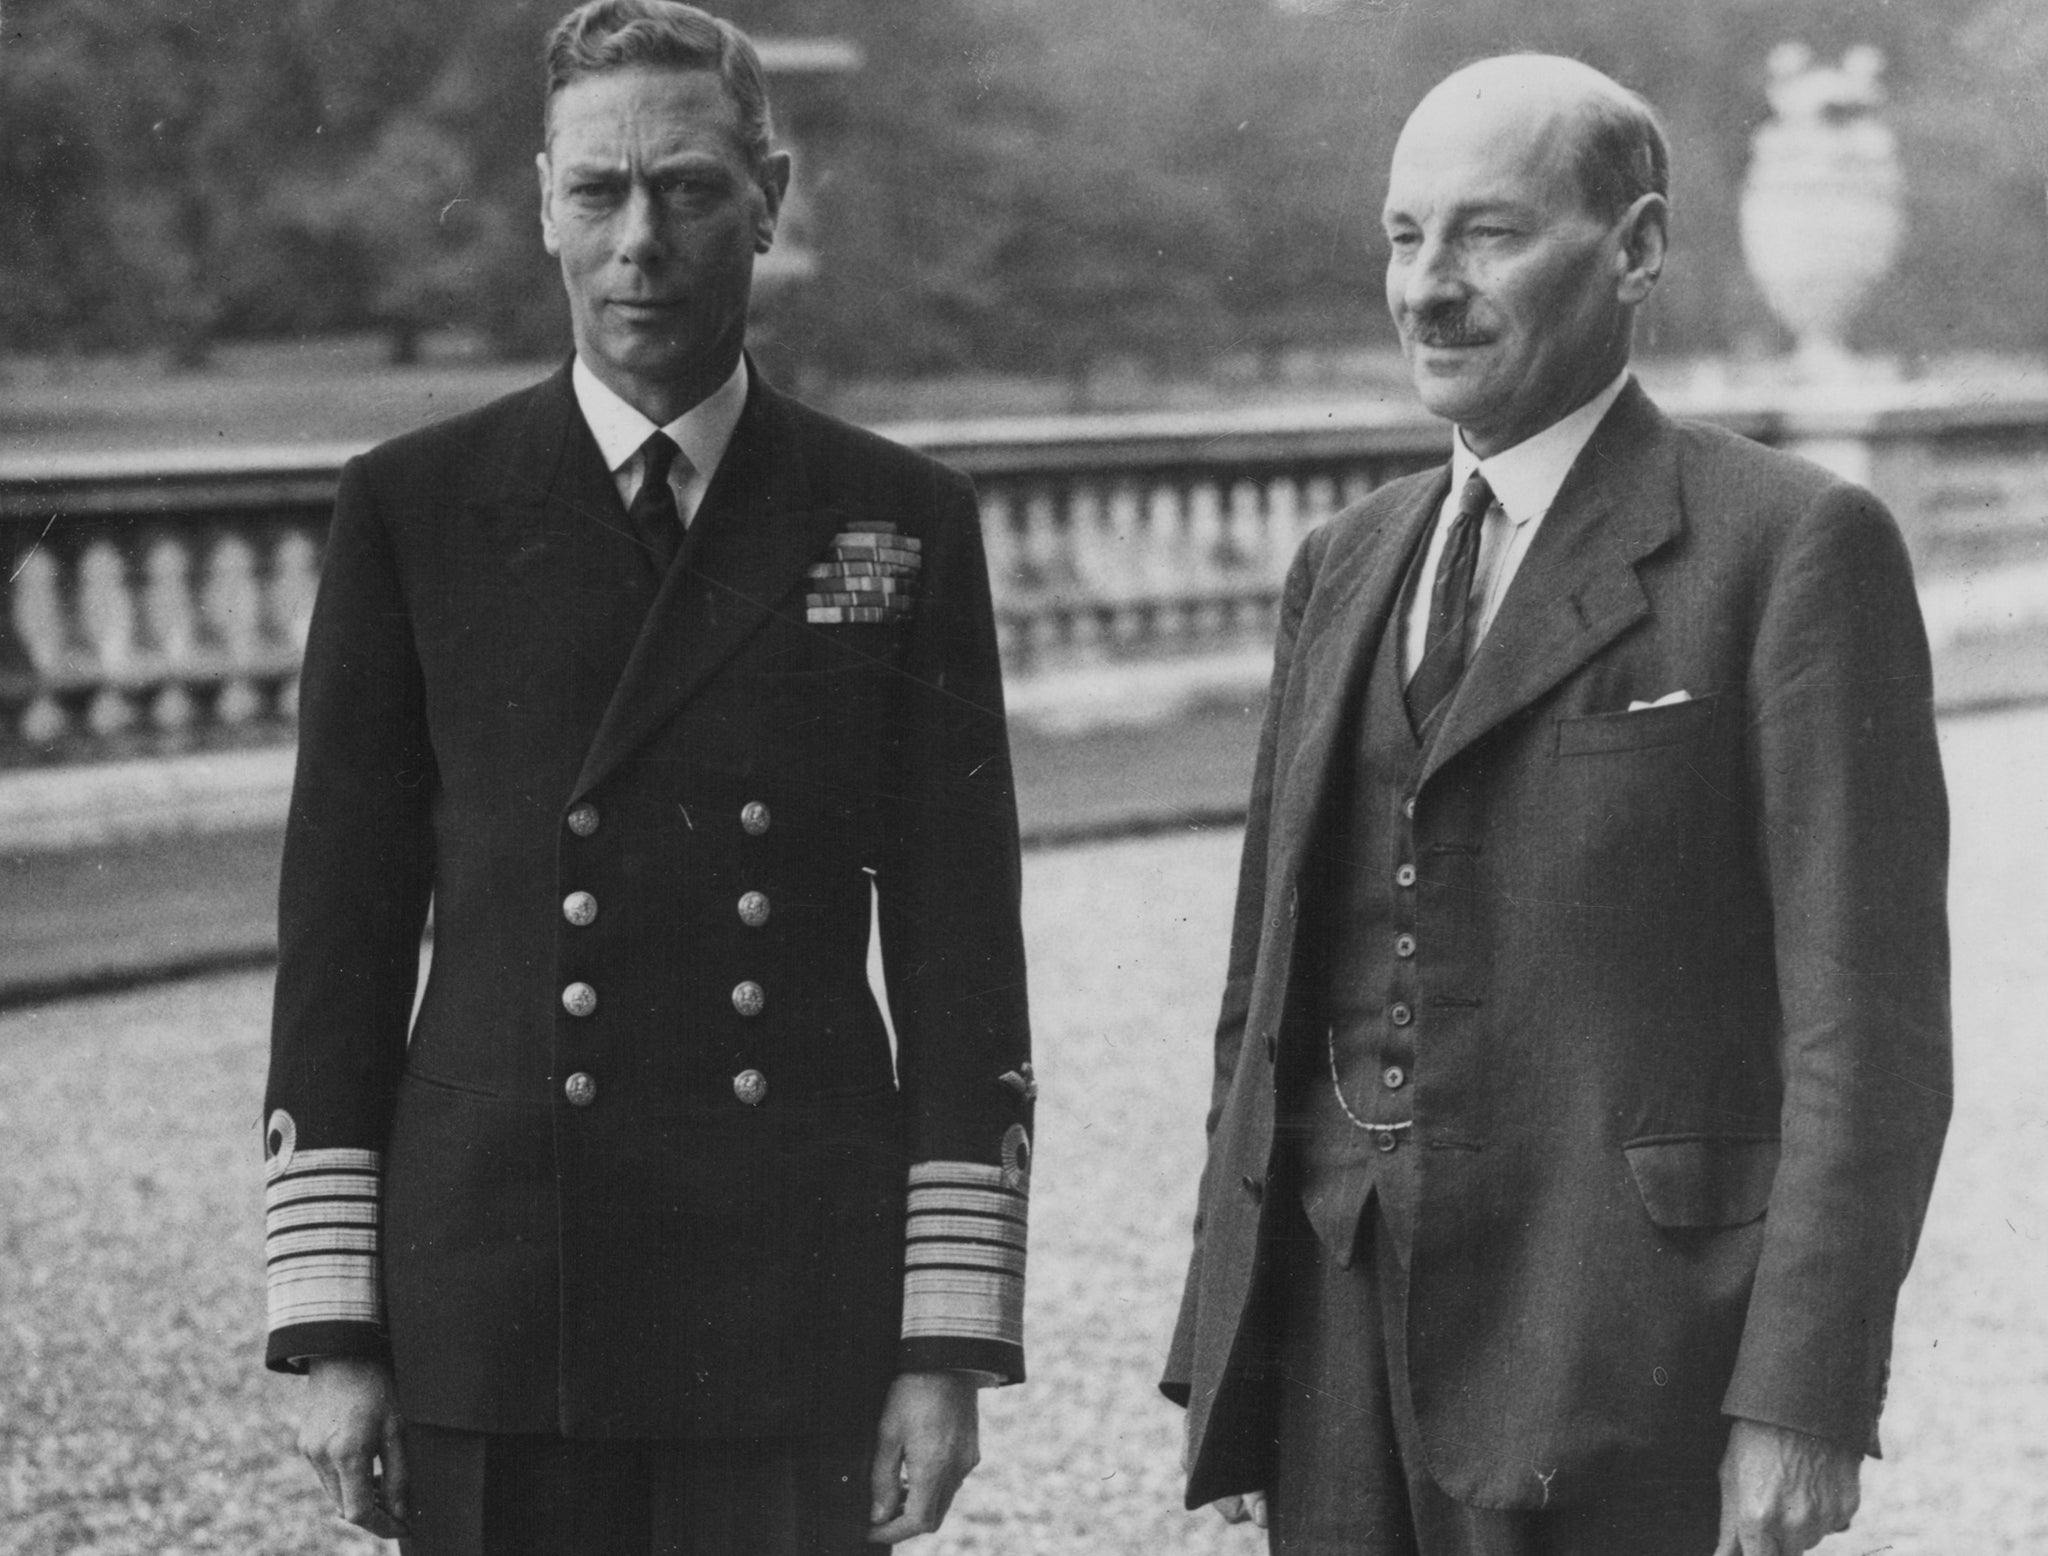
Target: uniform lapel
<point>743,565</point>
<point>1577,589</point>
<point>1354,599</point>
<point>562,531</point>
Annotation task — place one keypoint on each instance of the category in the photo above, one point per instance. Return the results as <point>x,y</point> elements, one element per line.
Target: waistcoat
<point>1362,931</point>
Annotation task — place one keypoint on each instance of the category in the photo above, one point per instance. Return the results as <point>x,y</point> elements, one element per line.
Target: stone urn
<point>1822,209</point>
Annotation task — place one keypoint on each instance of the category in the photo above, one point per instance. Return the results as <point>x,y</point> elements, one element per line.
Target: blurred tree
<point>1041,186</point>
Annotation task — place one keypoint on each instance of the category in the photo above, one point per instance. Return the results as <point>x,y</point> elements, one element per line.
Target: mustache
<point>1448,324</point>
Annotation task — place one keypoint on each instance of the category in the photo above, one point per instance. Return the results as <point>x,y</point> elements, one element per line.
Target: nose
<point>639,232</point>
<point>1429,276</point>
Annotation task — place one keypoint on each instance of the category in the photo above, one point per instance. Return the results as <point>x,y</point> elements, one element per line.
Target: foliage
<point>1046,186</point>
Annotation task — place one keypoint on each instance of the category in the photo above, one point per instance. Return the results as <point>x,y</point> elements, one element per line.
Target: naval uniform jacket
<point>1681,1027</point>
<point>641,1166</point>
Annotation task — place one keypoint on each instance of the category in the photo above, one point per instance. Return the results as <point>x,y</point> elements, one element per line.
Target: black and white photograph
<point>1246,777</point>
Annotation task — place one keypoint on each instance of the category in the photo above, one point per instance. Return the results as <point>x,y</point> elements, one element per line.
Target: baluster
<point>231,609</point>
<point>1248,544</point>
<point>1045,566</point>
<point>1165,584</point>
<point>1088,565</point>
<point>106,619</point>
<point>1321,501</point>
<point>39,622</point>
<point>294,579</point>
<point>168,635</point>
<point>1358,485</point>
<point>999,542</point>
<point>1284,527</point>
<point>1248,540</point>
<point>1207,560</point>
<point>1124,531</point>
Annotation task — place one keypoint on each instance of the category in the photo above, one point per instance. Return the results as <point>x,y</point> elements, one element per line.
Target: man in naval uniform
<point>651,681</point>
<point>1583,1060</point>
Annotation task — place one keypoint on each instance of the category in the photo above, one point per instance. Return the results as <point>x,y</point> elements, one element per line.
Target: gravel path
<point>134,1417</point>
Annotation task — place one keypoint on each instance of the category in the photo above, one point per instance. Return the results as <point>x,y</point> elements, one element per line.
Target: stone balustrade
<point>158,604</point>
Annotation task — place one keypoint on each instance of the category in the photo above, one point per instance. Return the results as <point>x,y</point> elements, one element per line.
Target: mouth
<point>1449,340</point>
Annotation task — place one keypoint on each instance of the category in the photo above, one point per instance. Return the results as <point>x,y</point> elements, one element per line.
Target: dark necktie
<point>657,524</point>
<point>1450,604</point>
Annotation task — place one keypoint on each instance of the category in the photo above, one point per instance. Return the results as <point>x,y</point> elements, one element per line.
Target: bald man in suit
<point>1583,1061</point>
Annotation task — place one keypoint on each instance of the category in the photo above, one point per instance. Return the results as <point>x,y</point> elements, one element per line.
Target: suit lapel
<point>1577,588</point>
<point>562,530</point>
<point>1354,599</point>
<point>743,564</point>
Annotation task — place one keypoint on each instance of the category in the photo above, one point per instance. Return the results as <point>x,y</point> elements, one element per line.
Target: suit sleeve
<point>1854,847</point>
<point>1246,930</point>
<point>358,872</point>
<point>953,955</point>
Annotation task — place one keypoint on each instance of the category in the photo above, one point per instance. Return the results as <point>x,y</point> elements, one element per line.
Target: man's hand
<point>1247,1507</point>
<point>1783,1492</point>
<point>929,1439</point>
<point>351,1422</point>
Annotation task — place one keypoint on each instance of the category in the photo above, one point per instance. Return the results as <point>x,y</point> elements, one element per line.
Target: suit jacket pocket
<point>1646,727</point>
<point>1704,1180</point>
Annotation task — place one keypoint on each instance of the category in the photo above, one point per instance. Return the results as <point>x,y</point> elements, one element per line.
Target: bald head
<point>1525,224</point>
<point>1610,135</point>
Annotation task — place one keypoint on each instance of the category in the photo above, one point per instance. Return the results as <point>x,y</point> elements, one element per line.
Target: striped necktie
<point>1450,606</point>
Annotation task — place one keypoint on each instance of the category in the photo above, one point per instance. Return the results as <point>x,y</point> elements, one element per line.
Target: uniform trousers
<point>481,1494</point>
<point>1349,1477</point>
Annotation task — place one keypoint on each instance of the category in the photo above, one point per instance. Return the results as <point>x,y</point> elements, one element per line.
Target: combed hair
<point>1622,153</point>
<point>607,35</point>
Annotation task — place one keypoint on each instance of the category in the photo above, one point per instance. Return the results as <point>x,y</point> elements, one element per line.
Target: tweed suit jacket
<point>1682,1046</point>
<point>644,1164</point>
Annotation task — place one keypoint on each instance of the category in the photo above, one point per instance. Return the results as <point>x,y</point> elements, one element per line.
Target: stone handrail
<point>158,603</point>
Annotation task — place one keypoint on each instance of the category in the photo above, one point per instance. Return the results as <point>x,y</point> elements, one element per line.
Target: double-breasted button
<point>754,818</point>
<point>1393,1077</point>
<point>583,819</point>
<point>580,1089</point>
<point>1400,1014</point>
<point>1408,807</point>
<point>749,998</point>
<point>579,999</point>
<point>754,909</point>
<point>1253,1186</point>
<point>1405,876</point>
<point>751,1087</point>
<point>1404,946</point>
<point>1386,1140</point>
<point>580,908</point>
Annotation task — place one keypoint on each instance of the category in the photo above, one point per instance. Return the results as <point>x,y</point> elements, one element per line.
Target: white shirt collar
<point>1525,478</point>
<point>701,432</point>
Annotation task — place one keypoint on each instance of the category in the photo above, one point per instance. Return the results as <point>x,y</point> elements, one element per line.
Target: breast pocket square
<point>869,574</point>
<point>1664,701</point>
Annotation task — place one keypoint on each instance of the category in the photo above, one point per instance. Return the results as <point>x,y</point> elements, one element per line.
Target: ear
<point>773,182</point>
<point>549,238</point>
<point>1644,234</point>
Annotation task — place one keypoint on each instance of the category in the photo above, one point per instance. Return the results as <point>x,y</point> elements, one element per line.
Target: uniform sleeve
<point>358,872</point>
<point>953,956</point>
<point>1854,843</point>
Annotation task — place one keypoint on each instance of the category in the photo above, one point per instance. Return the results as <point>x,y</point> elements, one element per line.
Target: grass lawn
<point>135,1417</point>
